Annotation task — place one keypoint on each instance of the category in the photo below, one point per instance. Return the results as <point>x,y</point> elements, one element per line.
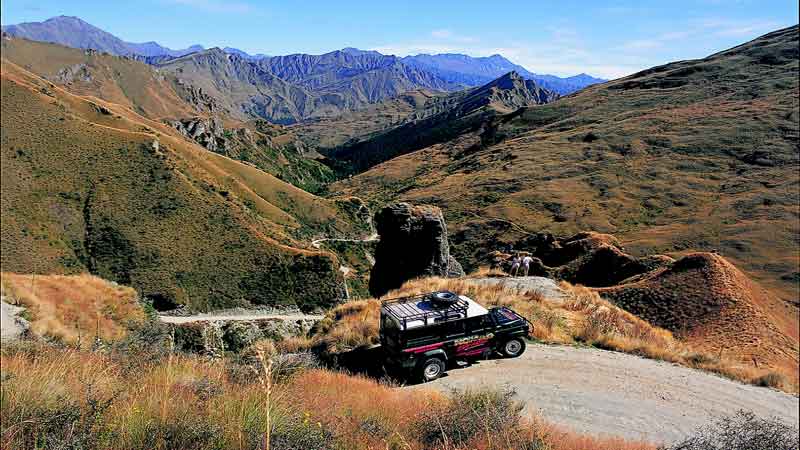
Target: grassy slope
<point>115,79</point>
<point>97,400</point>
<point>440,119</point>
<point>157,96</point>
<point>87,190</point>
<point>670,160</point>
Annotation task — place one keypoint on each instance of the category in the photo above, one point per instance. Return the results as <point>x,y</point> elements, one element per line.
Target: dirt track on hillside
<point>238,317</point>
<point>601,392</point>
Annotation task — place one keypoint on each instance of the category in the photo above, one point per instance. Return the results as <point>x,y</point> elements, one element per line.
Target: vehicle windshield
<point>504,315</point>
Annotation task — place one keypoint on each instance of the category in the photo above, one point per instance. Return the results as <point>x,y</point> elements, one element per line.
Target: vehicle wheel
<point>513,348</point>
<point>431,369</point>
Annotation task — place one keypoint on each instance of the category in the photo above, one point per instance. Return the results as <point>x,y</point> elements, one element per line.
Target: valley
<point>197,244</point>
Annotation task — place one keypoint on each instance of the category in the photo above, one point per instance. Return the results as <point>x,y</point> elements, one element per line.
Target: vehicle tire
<point>431,369</point>
<point>513,348</point>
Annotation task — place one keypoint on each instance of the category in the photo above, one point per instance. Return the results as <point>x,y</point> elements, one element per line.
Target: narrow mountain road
<point>239,317</point>
<point>371,238</point>
<point>601,392</point>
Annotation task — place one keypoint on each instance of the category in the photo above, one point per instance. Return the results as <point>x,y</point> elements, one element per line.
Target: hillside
<point>119,80</point>
<point>714,307</point>
<point>692,155</point>
<point>440,119</point>
<point>329,132</point>
<point>89,185</point>
<point>157,96</point>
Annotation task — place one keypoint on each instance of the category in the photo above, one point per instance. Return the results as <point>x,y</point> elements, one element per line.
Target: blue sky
<point>608,39</point>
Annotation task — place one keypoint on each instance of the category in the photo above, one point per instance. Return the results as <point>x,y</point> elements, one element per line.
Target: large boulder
<point>413,243</point>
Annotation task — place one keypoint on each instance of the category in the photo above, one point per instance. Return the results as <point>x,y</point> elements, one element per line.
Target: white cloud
<point>441,34</point>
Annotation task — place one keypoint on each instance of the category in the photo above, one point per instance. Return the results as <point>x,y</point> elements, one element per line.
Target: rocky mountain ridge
<point>333,83</point>
<point>440,119</point>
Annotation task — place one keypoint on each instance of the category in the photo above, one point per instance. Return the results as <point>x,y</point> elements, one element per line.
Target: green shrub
<point>467,415</point>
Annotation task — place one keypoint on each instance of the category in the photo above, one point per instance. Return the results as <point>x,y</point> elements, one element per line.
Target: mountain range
<point>452,71</point>
<point>440,119</point>
<point>473,71</point>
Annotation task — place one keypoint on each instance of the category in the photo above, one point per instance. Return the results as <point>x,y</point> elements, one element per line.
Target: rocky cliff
<point>413,243</point>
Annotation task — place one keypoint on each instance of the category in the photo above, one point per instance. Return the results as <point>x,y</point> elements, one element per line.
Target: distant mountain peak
<point>357,52</point>
<point>74,32</point>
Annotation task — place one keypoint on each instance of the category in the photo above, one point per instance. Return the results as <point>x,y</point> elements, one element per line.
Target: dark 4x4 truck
<point>424,333</point>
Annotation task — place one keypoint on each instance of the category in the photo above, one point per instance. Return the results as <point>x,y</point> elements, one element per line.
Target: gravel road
<point>609,393</point>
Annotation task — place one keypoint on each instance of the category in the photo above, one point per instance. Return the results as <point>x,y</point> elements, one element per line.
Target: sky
<point>606,39</point>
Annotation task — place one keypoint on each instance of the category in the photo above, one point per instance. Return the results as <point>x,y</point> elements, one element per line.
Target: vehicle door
<point>478,337</point>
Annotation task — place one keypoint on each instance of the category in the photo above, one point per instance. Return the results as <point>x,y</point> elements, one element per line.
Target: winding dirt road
<point>238,317</point>
<point>601,392</point>
<point>371,238</point>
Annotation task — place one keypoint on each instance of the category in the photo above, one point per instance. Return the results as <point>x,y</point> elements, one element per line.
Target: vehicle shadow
<point>369,362</point>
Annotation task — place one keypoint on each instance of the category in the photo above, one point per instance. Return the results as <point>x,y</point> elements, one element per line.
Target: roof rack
<point>407,309</point>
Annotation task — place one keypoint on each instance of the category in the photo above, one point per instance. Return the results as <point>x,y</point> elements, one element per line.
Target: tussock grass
<point>74,309</point>
<point>73,398</point>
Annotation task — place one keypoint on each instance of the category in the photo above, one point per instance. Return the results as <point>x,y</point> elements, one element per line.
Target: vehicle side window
<point>477,324</point>
<point>455,328</point>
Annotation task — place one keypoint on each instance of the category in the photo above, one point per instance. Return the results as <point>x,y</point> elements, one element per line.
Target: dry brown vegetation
<point>74,309</point>
<point>715,308</point>
<point>92,400</point>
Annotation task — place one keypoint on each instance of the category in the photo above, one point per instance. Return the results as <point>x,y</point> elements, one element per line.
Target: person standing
<point>515,263</point>
<point>526,264</point>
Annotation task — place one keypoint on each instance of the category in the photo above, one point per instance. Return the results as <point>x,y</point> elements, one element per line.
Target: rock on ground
<point>12,326</point>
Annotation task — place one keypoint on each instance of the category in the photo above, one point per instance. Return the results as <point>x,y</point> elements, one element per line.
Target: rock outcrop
<point>207,132</point>
<point>413,243</point>
<point>587,258</point>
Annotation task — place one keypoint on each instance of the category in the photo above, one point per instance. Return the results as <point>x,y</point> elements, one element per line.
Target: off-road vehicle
<point>421,335</point>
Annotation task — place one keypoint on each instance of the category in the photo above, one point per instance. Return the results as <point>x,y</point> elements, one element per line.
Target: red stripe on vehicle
<point>472,344</point>
<point>472,348</point>
<point>473,352</point>
<point>423,348</point>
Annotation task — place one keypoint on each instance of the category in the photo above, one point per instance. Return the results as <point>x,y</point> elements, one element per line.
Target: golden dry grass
<point>51,397</point>
<point>74,309</point>
<point>717,309</point>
